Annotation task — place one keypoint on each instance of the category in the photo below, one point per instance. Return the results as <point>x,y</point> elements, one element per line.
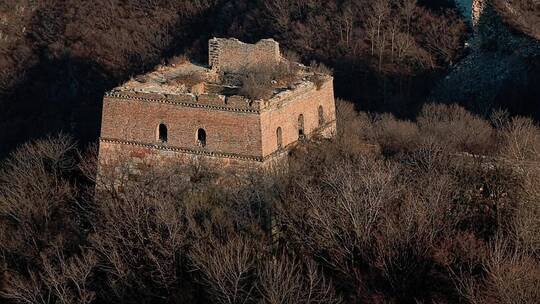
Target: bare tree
<point>228,269</point>
<point>68,278</point>
<point>286,280</point>
<point>513,276</point>
<point>521,140</point>
<point>37,219</point>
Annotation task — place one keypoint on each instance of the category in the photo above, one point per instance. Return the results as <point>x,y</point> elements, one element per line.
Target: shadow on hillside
<point>56,96</point>
<point>501,71</point>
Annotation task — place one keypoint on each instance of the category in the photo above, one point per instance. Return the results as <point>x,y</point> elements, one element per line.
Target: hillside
<point>522,15</point>
<point>423,218</point>
<point>501,68</point>
<point>58,57</point>
<point>425,190</point>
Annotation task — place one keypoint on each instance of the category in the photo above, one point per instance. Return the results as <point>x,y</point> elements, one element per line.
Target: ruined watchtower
<point>191,113</point>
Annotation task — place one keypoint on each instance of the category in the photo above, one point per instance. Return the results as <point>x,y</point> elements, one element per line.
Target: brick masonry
<point>239,133</point>
<point>233,55</point>
<point>284,113</point>
<point>138,121</point>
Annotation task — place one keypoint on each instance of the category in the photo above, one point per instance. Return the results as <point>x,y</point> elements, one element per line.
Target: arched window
<point>321,116</point>
<point>279,137</point>
<point>301,133</point>
<point>162,133</point>
<point>201,137</point>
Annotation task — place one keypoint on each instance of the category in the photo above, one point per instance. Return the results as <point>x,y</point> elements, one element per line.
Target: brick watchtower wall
<point>136,118</point>
<point>130,130</point>
<point>239,133</point>
<point>316,105</point>
<point>233,55</point>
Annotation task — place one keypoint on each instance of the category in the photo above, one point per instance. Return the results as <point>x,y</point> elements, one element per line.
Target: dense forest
<point>423,219</point>
<point>58,57</point>
<point>413,202</point>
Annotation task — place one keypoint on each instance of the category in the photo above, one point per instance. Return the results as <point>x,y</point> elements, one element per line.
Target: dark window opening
<point>279,137</point>
<point>301,133</point>
<point>201,137</point>
<point>321,116</point>
<point>162,133</point>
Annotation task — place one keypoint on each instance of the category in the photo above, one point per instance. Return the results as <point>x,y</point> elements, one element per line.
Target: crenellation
<point>211,99</point>
<point>184,98</point>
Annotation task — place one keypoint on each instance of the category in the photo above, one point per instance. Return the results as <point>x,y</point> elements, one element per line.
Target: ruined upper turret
<point>232,55</point>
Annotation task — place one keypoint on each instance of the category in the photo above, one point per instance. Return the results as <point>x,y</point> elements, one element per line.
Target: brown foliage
<point>524,15</point>
<point>422,223</point>
<point>521,139</point>
<point>228,268</point>
<point>287,280</point>
<point>40,225</point>
<point>36,198</point>
<point>259,82</point>
<point>458,129</point>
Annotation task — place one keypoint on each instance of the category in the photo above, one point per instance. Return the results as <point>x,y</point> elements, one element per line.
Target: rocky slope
<point>501,70</point>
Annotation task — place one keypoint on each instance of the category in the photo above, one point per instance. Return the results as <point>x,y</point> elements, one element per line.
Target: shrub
<point>395,135</point>
<point>290,56</point>
<point>320,68</point>
<point>512,276</point>
<point>259,82</point>
<point>256,86</point>
<point>526,225</point>
<point>456,129</point>
<point>354,130</point>
<point>521,140</point>
<point>41,225</point>
<point>189,79</point>
<point>177,60</point>
<point>320,73</point>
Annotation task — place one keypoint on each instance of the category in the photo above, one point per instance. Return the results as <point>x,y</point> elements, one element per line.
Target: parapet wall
<point>233,55</point>
<point>209,101</point>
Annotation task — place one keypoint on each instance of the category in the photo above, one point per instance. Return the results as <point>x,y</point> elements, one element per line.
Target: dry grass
<point>321,72</point>
<point>259,82</point>
<point>189,79</point>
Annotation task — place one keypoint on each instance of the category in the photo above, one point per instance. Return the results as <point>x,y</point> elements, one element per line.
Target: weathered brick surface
<point>284,113</point>
<point>113,154</point>
<point>138,121</point>
<point>240,133</point>
<point>233,55</point>
<point>151,155</point>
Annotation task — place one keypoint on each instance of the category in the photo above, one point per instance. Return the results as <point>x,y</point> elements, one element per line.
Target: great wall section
<point>213,124</point>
